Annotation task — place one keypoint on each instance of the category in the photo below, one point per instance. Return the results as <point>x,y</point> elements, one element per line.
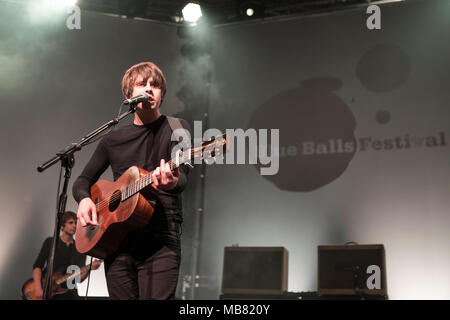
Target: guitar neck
<point>71,275</point>
<point>206,150</point>
<point>147,180</point>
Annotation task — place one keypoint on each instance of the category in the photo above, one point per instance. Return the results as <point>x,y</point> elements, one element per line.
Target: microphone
<point>140,98</point>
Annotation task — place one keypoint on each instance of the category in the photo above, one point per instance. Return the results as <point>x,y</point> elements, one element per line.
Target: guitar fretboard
<point>71,275</point>
<point>147,180</point>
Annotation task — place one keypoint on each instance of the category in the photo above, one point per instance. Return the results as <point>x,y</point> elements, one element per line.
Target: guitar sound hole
<point>114,201</point>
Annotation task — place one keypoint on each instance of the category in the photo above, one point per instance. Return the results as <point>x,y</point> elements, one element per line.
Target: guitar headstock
<point>210,150</point>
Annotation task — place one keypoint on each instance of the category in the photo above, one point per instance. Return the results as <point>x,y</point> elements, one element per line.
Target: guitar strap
<point>181,135</point>
<point>178,131</point>
<point>174,124</point>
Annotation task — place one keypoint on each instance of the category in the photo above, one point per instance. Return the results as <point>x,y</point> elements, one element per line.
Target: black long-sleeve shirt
<point>64,256</point>
<point>143,146</point>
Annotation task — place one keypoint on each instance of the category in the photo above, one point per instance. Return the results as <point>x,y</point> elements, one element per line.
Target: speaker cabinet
<point>352,269</point>
<point>255,270</point>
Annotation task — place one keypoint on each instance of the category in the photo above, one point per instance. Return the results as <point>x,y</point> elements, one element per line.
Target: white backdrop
<point>316,79</point>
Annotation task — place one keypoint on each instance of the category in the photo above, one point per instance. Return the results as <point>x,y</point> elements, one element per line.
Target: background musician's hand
<point>38,292</point>
<point>96,264</point>
<point>87,213</point>
<point>164,178</point>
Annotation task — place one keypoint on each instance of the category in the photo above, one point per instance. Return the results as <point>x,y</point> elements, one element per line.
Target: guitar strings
<point>138,185</point>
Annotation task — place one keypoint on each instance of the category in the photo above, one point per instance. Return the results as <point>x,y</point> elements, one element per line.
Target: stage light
<point>192,12</point>
<point>249,12</point>
<point>46,11</point>
<point>251,9</point>
<point>70,2</point>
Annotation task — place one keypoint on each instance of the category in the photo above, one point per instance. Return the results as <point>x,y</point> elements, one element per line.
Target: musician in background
<point>146,265</point>
<point>65,256</point>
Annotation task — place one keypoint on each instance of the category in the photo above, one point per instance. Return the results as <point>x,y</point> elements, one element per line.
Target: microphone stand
<point>66,157</point>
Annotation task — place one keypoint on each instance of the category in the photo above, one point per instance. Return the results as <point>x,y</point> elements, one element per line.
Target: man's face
<point>148,87</point>
<point>70,226</point>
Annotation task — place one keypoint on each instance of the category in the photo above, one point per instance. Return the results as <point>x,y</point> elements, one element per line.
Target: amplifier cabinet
<point>352,269</point>
<point>255,270</point>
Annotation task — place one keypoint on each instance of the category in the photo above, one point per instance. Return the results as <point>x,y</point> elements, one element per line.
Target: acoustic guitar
<point>58,279</point>
<point>122,207</point>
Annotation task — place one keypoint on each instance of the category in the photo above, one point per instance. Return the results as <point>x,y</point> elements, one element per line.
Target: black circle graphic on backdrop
<point>316,132</point>
<point>383,68</point>
<point>383,116</point>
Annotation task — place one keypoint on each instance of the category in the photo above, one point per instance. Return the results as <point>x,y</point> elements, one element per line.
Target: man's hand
<point>37,277</point>
<point>87,213</point>
<point>164,178</point>
<point>38,292</point>
<point>96,264</point>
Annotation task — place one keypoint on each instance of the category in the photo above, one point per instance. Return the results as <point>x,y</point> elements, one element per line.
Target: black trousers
<point>153,277</point>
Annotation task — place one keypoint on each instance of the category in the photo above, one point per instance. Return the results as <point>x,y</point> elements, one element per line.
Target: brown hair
<point>66,216</point>
<point>145,70</point>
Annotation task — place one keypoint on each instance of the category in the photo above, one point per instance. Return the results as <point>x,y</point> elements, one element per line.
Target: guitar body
<point>122,207</point>
<point>115,218</point>
<point>28,292</point>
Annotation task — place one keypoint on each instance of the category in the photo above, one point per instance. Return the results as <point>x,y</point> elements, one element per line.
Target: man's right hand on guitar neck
<point>87,213</point>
